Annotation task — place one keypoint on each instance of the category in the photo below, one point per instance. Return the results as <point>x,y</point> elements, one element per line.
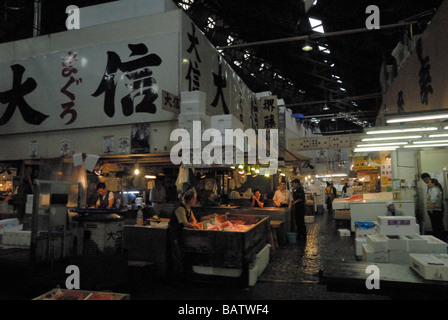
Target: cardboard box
<point>416,244</point>
<point>430,266</point>
<point>378,242</point>
<point>369,255</point>
<point>435,245</point>
<point>397,243</point>
<point>344,232</point>
<point>342,214</point>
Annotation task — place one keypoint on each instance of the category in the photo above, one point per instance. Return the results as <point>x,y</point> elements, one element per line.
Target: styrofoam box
<point>430,266</point>
<point>378,242</point>
<point>435,245</point>
<point>6,224</point>
<point>396,221</point>
<point>369,255</point>
<point>341,205</point>
<point>226,121</point>
<point>17,238</point>
<point>398,256</point>
<point>262,259</point>
<point>416,244</point>
<point>362,233</point>
<point>396,230</point>
<point>193,96</point>
<point>186,121</point>
<point>344,232</point>
<point>397,243</point>
<point>358,245</point>
<point>192,107</point>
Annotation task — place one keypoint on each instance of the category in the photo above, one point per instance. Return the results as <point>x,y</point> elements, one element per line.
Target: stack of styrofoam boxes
<point>401,231</point>
<point>226,121</point>
<point>363,229</point>
<point>375,249</point>
<point>193,108</point>
<point>10,225</point>
<point>399,235</point>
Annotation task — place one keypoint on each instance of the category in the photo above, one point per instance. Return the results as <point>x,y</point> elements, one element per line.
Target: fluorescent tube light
<point>419,118</point>
<point>438,135</point>
<point>376,149</point>
<point>430,141</point>
<point>426,145</point>
<point>381,144</point>
<point>401,130</point>
<point>392,138</point>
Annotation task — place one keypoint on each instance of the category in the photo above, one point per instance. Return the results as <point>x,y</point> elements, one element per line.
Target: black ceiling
<point>304,80</point>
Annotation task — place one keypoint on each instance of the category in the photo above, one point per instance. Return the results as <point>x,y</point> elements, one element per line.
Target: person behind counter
<point>282,197</point>
<point>157,196</point>
<point>392,211</point>
<point>256,199</point>
<point>106,198</point>
<point>182,217</point>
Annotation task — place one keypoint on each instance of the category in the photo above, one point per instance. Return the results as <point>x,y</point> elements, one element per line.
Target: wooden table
<point>396,280</point>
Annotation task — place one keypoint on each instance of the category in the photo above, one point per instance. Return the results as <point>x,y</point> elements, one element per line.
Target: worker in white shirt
<point>282,197</point>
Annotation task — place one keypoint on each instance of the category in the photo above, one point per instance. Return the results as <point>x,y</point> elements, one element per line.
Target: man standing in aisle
<point>434,207</point>
<point>329,197</point>
<point>282,197</point>
<point>298,208</point>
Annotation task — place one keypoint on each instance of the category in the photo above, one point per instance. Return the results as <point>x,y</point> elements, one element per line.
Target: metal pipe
<point>315,36</point>
<point>37,18</point>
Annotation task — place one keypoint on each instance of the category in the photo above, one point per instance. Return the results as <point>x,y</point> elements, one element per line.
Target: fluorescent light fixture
<point>392,138</point>
<point>381,144</point>
<point>332,175</point>
<point>387,131</point>
<point>430,141</point>
<point>149,176</point>
<point>431,145</point>
<point>419,118</point>
<point>376,149</point>
<point>438,135</point>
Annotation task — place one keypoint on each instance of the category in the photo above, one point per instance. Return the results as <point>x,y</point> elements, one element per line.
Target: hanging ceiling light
<point>325,108</point>
<point>307,46</point>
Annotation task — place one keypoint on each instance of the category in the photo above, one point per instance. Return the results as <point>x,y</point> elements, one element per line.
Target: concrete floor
<point>292,274</point>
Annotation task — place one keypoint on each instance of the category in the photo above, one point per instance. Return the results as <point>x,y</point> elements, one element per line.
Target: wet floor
<point>292,274</point>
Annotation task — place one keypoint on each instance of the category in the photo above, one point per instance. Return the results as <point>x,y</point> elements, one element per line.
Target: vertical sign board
<point>268,113</point>
<point>110,84</point>
<point>204,69</point>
